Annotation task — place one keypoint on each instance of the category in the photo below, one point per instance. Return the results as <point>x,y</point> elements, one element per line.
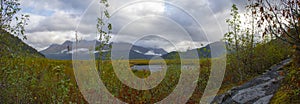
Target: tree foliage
<point>281,19</point>
<point>240,40</point>
<point>249,53</point>
<point>10,20</point>
<point>104,28</point>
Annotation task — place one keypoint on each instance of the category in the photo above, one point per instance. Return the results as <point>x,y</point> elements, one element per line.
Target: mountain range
<point>212,50</point>
<point>64,51</point>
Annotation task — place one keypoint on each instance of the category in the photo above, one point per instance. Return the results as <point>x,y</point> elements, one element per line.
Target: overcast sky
<point>169,24</point>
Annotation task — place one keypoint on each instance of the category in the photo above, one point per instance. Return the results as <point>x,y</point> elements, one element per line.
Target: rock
<point>280,65</point>
<point>264,100</point>
<point>220,98</point>
<point>264,78</point>
<point>249,94</point>
<point>259,90</point>
<point>254,92</point>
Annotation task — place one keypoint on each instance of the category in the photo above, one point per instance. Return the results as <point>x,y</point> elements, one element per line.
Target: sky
<point>174,25</point>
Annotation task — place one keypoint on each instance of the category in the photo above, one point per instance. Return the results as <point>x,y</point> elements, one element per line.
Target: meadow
<point>31,79</point>
<point>40,80</point>
<point>266,33</point>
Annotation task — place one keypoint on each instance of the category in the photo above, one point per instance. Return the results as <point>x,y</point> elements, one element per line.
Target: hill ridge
<point>13,45</point>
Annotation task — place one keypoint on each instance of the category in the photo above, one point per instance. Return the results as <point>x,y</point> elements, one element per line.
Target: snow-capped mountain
<point>64,51</point>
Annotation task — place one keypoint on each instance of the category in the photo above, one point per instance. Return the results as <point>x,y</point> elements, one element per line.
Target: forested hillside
<point>12,45</point>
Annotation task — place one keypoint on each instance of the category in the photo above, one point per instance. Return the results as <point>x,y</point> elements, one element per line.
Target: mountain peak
<point>64,51</point>
<point>68,42</point>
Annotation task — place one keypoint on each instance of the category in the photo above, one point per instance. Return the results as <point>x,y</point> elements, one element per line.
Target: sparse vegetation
<point>27,77</point>
<point>290,89</point>
<point>248,57</point>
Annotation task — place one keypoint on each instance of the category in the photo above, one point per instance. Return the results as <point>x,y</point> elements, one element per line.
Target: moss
<point>289,92</point>
<point>280,97</point>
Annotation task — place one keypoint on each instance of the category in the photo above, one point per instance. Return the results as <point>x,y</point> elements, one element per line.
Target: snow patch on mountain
<point>64,51</point>
<point>138,51</point>
<point>152,53</point>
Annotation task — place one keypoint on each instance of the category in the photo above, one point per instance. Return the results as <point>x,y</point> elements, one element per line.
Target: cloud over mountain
<point>178,21</point>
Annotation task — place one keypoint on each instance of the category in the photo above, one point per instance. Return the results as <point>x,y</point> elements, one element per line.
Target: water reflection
<point>154,68</point>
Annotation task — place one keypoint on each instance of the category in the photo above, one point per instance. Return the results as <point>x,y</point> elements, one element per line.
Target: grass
<point>290,89</point>
<point>40,80</point>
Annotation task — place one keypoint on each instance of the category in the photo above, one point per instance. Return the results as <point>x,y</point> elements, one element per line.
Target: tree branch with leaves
<point>104,29</point>
<point>9,14</point>
<point>281,18</point>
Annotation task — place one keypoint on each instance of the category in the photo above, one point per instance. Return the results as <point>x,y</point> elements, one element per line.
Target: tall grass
<point>39,80</point>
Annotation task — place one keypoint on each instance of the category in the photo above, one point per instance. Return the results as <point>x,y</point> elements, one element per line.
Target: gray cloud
<point>138,20</point>
<point>56,22</point>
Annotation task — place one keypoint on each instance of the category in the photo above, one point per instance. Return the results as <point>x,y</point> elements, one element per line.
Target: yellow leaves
<point>294,46</point>
<point>281,73</point>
